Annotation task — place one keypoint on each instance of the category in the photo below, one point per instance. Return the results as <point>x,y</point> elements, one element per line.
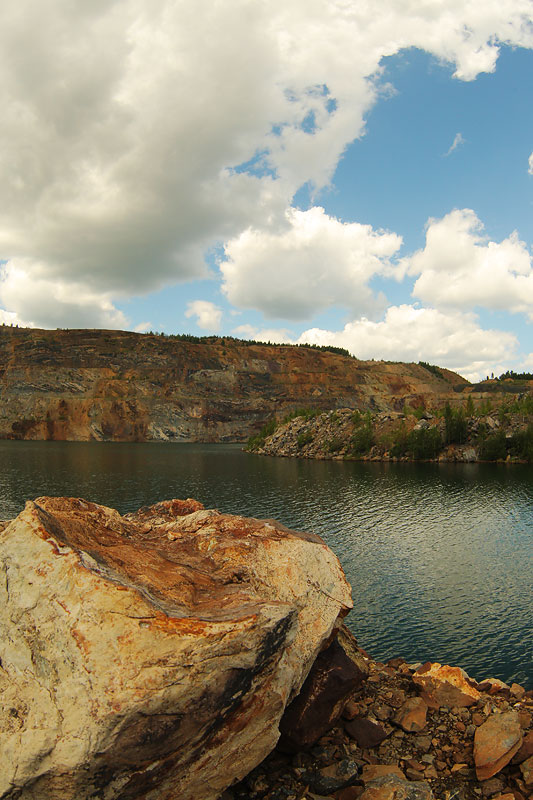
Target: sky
<point>338,172</point>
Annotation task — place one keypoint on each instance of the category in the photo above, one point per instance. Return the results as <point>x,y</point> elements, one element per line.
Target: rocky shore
<point>449,434</point>
<point>162,653</point>
<point>411,732</point>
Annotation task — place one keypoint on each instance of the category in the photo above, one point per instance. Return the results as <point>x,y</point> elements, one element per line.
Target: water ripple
<point>439,556</point>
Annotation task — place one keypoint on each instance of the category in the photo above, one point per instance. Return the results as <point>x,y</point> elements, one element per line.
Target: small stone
<point>373,771</point>
<point>526,749</point>
<point>526,768</point>
<point>525,718</point>
<point>412,715</point>
<point>491,787</point>
<point>495,743</point>
<point>478,718</point>
<point>351,710</point>
<point>382,712</point>
<point>494,686</point>
<point>431,772</point>
<point>506,796</point>
<point>459,767</point>
<point>349,793</point>
<point>445,686</point>
<point>390,787</point>
<point>365,732</point>
<point>333,777</point>
<point>415,765</point>
<point>460,726</point>
<point>517,691</point>
<point>423,743</point>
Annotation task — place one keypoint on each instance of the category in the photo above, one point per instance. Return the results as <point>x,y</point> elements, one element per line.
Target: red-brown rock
<point>495,743</point>
<point>391,787</point>
<point>526,768</point>
<point>526,749</point>
<point>445,686</point>
<point>365,732</point>
<point>411,716</point>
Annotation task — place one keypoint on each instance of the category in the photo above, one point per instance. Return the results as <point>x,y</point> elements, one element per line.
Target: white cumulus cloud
<point>208,315</point>
<point>530,164</point>
<point>460,267</point>
<point>407,333</point>
<point>137,134</point>
<point>314,261</point>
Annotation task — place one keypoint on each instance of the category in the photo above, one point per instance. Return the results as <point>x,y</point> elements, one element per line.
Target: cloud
<point>26,290</point>
<point>314,261</point>
<point>274,335</point>
<point>208,315</point>
<point>136,135</point>
<point>461,268</point>
<point>457,141</point>
<point>530,164</point>
<point>142,327</point>
<point>407,333</point>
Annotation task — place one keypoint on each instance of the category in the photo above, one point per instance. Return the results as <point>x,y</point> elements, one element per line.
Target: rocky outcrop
<point>152,655</point>
<point>343,433</point>
<point>124,386</point>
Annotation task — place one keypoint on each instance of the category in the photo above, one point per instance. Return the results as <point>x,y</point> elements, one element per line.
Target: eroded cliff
<point>124,386</point>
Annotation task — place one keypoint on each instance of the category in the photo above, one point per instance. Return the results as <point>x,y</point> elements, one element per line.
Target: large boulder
<point>152,655</point>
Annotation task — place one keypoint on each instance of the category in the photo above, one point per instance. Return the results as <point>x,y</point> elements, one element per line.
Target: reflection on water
<point>439,556</point>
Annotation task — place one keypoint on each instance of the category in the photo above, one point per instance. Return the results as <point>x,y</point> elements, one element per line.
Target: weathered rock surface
<point>445,686</point>
<point>152,655</point>
<point>495,743</point>
<point>124,386</point>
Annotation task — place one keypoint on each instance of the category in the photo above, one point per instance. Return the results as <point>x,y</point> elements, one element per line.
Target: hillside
<point>123,386</point>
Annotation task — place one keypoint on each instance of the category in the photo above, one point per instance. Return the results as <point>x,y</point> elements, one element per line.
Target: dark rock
<point>333,677</point>
<point>366,732</point>
<point>336,776</point>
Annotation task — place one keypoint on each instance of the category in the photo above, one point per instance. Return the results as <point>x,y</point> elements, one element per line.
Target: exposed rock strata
<point>123,386</point>
<point>152,655</point>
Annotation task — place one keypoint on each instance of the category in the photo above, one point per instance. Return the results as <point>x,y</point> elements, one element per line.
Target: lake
<point>439,555</point>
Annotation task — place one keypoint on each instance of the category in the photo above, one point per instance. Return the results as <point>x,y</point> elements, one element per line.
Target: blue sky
<point>319,171</point>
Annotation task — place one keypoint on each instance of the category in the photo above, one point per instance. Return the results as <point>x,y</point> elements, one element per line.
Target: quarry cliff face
<point>84,385</point>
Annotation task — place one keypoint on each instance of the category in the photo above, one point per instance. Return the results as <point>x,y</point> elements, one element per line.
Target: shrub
<point>521,444</point>
<point>304,438</point>
<point>257,441</point>
<point>361,441</point>
<point>493,447</point>
<point>424,443</point>
<point>456,428</point>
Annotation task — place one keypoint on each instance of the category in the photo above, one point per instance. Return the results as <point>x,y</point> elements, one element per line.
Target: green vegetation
<point>304,438</point>
<point>306,413</point>
<point>456,426</point>
<point>362,439</point>
<point>521,444</point>
<point>257,441</point>
<point>422,443</point>
<point>515,376</point>
<point>493,447</point>
<point>432,368</point>
<point>189,337</point>
<point>336,444</point>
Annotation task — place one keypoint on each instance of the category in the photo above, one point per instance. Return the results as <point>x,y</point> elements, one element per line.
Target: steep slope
<point>124,386</point>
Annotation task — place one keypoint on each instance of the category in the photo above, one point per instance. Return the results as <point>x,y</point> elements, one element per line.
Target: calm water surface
<point>439,556</point>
